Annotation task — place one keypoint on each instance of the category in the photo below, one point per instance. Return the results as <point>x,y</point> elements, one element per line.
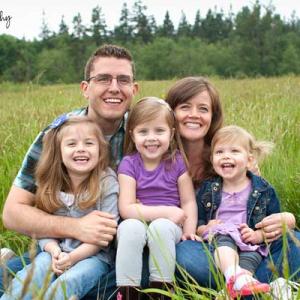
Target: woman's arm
<point>276,222</point>
<point>129,208</point>
<point>188,204</point>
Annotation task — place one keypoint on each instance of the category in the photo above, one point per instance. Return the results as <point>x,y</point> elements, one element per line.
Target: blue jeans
<point>104,290</point>
<point>78,280</point>
<point>193,258</point>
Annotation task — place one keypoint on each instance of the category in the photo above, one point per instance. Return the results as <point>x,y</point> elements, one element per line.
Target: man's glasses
<point>106,79</point>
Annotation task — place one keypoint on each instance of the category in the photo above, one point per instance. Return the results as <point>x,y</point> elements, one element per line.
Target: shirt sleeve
<point>109,194</point>
<point>42,242</point>
<point>126,167</point>
<point>181,166</point>
<point>25,178</point>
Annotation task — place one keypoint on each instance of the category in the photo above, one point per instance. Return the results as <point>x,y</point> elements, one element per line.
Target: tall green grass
<point>269,108</point>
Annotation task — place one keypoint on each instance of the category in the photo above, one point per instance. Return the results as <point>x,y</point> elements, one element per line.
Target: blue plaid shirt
<point>25,178</point>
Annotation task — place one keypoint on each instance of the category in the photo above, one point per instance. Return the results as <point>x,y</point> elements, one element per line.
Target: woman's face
<point>194,117</point>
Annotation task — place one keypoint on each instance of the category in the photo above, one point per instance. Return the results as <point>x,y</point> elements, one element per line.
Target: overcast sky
<point>24,18</point>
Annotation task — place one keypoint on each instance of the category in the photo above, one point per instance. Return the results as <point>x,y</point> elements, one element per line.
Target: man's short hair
<point>108,50</point>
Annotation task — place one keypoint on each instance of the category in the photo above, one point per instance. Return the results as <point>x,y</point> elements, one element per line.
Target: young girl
<point>73,179</point>
<point>231,204</point>
<point>156,197</point>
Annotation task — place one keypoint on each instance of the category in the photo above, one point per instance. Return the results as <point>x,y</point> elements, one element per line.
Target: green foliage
<point>52,62</point>
<point>266,107</point>
<point>254,42</point>
<point>98,28</point>
<point>167,29</point>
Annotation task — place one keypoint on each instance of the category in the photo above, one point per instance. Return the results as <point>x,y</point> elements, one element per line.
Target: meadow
<point>269,108</point>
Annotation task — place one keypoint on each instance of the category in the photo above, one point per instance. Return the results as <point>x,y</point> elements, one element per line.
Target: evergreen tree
<point>63,28</point>
<point>152,25</point>
<point>141,26</point>
<point>123,32</point>
<point>197,30</point>
<point>167,28</point>
<point>214,27</point>
<point>79,30</point>
<point>251,34</point>
<point>45,32</point>
<point>98,27</point>
<point>184,28</point>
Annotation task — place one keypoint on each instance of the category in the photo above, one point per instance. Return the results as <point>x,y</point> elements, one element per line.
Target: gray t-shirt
<point>108,202</point>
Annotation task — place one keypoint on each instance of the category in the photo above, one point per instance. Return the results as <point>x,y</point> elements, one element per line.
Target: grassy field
<point>269,108</point>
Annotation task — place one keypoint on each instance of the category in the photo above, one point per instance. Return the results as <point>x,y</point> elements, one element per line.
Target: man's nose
<point>114,86</point>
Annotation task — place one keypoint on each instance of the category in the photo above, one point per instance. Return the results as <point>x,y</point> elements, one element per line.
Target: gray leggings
<point>161,236</point>
<point>248,260</point>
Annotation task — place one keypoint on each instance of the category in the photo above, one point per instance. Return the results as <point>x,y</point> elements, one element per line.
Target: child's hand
<point>205,228</point>
<point>212,223</point>
<point>191,236</point>
<point>176,215</point>
<point>250,236</point>
<point>63,263</point>
<point>55,254</point>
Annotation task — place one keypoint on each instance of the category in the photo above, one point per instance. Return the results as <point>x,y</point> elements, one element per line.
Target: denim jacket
<point>262,201</point>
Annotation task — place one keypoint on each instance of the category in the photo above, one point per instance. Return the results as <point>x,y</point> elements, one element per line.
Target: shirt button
<point>208,204</point>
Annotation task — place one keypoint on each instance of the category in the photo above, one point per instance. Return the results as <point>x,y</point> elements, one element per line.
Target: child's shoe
<point>251,288</point>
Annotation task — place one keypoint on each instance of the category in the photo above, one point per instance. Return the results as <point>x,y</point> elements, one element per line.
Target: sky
<point>23,19</point>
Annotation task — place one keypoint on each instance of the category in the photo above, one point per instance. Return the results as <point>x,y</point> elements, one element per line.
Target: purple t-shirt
<point>156,187</point>
<point>232,212</point>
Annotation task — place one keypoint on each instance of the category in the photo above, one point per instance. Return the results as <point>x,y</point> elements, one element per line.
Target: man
<point>109,88</point>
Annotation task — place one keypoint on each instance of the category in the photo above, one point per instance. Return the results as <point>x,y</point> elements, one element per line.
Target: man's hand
<point>97,227</point>
<point>249,235</point>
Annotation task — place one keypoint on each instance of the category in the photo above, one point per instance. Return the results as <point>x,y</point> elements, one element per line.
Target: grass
<point>269,108</point>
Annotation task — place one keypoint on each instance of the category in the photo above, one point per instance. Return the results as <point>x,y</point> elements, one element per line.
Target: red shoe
<point>119,296</point>
<point>250,288</point>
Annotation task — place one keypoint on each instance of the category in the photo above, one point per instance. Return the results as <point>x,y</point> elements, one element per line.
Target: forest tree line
<point>255,41</point>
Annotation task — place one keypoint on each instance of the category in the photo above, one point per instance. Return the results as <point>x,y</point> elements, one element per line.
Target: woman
<point>198,111</point>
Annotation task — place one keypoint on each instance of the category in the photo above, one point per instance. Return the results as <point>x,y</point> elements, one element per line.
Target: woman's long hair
<point>52,175</point>
<point>184,90</point>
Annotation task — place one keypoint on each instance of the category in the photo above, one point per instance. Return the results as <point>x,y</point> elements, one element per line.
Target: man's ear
<point>84,87</point>
<point>136,88</point>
